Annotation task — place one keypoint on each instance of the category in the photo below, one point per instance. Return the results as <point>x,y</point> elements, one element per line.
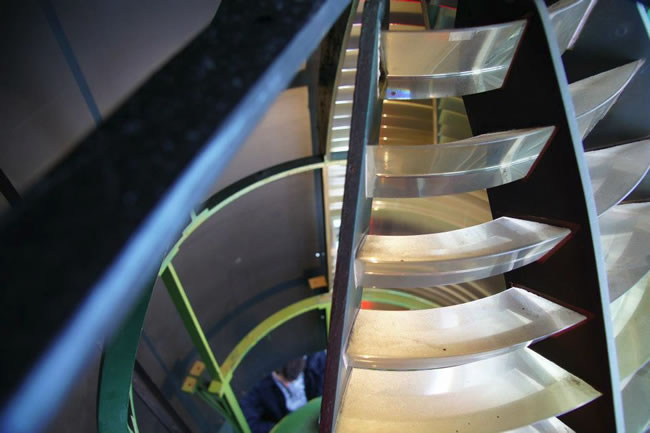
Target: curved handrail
<point>391,297</point>
<point>242,187</point>
<point>266,326</point>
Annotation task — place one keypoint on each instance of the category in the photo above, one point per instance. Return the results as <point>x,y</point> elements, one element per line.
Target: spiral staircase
<point>484,174</point>
<point>493,360</point>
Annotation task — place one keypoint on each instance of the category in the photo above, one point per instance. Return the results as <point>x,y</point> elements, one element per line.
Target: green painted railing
<point>115,389</point>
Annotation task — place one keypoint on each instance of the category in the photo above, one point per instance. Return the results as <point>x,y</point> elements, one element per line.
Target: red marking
<point>367,305</point>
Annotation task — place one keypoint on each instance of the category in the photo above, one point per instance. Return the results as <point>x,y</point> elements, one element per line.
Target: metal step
<point>616,171</point>
<point>551,425</point>
<point>453,257</point>
<point>488,396</point>
<point>625,237</point>
<point>413,216</point>
<point>434,64</point>
<point>479,162</point>
<point>448,336</point>
<point>568,18</point>
<point>631,319</point>
<point>454,294</point>
<point>594,96</point>
<point>636,395</point>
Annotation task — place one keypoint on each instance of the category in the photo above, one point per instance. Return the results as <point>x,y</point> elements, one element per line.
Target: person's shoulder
<point>316,361</point>
<point>262,387</point>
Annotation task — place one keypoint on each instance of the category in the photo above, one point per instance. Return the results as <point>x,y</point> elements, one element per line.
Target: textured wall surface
<point>67,65</point>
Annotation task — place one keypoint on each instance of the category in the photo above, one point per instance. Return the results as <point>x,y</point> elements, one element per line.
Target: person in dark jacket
<point>284,391</point>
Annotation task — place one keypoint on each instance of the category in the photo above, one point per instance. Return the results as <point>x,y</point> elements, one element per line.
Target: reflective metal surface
<point>616,171</point>
<point>568,18</point>
<point>407,122</point>
<point>594,96</point>
<point>412,216</point>
<point>454,294</point>
<point>433,64</point>
<point>488,396</point>
<point>636,395</point>
<point>341,111</point>
<point>334,179</point>
<point>452,257</point>
<point>631,318</point>
<point>448,336</point>
<point>551,425</point>
<point>625,240</point>
<point>477,163</point>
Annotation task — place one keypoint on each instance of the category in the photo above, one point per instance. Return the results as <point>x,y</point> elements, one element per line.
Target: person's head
<point>292,369</point>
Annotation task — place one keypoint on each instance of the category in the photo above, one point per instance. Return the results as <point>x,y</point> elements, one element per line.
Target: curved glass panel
<point>631,318</point>
<point>476,163</point>
<point>625,237</point>
<point>454,294</point>
<point>411,216</point>
<point>453,257</point>
<point>594,96</point>
<point>434,64</point>
<point>488,396</point>
<point>551,425</point>
<point>616,171</point>
<point>568,18</point>
<point>636,395</point>
<point>447,336</point>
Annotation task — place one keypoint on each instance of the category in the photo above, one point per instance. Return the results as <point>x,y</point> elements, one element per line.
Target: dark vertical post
<point>355,215</point>
<point>8,190</point>
<point>557,191</point>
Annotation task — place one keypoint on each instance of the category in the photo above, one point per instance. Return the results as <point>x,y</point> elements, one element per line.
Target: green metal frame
<point>220,395</point>
<point>224,395</point>
<point>205,214</point>
<point>115,395</point>
<point>269,324</point>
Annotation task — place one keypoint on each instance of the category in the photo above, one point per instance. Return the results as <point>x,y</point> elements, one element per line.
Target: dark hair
<point>292,369</point>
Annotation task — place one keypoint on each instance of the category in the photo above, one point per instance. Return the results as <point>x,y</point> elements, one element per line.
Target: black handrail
<point>77,251</point>
<point>355,215</point>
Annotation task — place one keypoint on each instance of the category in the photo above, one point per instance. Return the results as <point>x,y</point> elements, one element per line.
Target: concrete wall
<point>67,64</point>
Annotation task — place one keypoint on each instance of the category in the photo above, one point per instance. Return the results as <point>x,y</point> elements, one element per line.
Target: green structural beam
<point>191,322</point>
<point>224,393</point>
<point>269,324</point>
<point>114,395</point>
